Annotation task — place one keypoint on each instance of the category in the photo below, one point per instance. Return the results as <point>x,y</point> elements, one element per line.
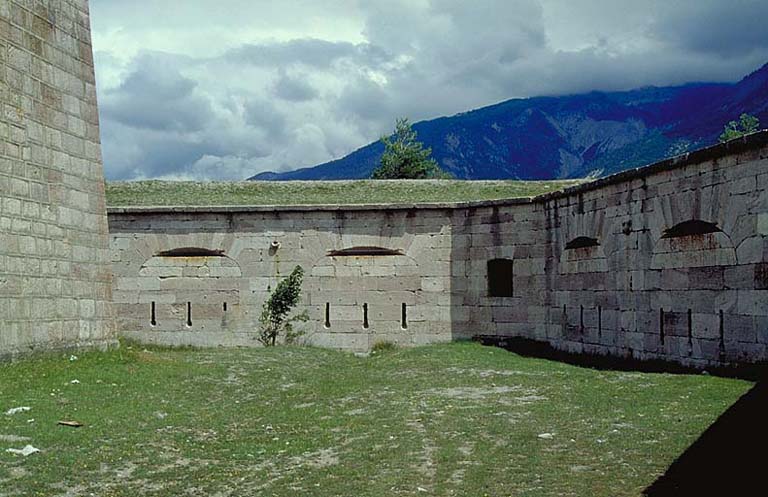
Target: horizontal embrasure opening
<point>364,251</point>
<point>191,252</point>
<point>581,242</point>
<point>690,228</point>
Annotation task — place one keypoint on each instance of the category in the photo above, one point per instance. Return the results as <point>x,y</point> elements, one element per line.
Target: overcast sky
<point>204,89</point>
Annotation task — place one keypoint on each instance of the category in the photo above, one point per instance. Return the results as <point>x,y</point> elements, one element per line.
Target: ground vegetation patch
<point>455,419</point>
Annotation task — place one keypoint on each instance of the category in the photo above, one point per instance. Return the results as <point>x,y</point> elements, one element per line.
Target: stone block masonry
<point>664,262</point>
<point>201,277</point>
<point>55,276</point>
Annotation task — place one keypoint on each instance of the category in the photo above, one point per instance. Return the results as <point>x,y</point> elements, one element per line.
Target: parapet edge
<point>743,144</point>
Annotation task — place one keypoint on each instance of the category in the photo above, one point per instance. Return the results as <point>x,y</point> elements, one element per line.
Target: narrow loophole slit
<point>189,313</point>
<point>722,333</point>
<point>153,315</point>
<point>599,321</point>
<point>327,314</point>
<point>690,332</point>
<point>564,318</point>
<point>404,316</point>
<point>365,316</point>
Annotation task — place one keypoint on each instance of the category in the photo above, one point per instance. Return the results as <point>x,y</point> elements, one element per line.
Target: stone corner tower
<point>55,274</point>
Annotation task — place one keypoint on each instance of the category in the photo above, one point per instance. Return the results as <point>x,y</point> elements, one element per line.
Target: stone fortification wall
<point>668,261</point>
<point>187,276</point>
<point>55,277</point>
<point>665,262</point>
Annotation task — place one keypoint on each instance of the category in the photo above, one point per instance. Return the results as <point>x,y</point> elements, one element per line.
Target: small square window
<point>500,278</point>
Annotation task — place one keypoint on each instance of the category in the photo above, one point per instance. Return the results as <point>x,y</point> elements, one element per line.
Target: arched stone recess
<point>192,291</point>
<point>179,283</point>
<point>132,251</point>
<point>583,254</point>
<point>582,244</point>
<point>753,250</point>
<point>752,245</point>
<point>402,243</point>
<point>693,243</point>
<point>362,294</point>
<point>364,261</point>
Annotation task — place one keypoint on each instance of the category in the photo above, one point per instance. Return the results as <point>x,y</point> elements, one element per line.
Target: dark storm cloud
<point>147,153</point>
<point>364,99</point>
<point>262,114</point>
<point>156,96</point>
<point>283,99</point>
<point>294,88</point>
<point>724,28</point>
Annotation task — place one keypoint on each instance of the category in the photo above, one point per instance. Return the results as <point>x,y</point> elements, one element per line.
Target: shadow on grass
<point>727,459</point>
<point>543,350</point>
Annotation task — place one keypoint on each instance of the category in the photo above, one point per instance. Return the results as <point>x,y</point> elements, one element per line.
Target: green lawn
<point>321,192</point>
<point>456,419</point>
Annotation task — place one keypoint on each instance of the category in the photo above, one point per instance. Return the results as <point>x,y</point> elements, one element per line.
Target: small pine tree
<point>405,157</point>
<point>274,314</point>
<point>745,125</point>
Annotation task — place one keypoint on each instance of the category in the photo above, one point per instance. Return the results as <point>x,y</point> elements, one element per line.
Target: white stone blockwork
<point>55,276</point>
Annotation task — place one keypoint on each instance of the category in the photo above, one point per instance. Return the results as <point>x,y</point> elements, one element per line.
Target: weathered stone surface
<point>55,273</point>
<point>693,298</point>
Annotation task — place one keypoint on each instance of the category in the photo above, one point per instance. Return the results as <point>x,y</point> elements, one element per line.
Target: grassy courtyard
<point>136,193</point>
<point>456,419</point>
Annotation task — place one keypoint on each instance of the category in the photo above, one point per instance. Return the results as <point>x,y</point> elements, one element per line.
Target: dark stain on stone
<point>496,228</point>
<point>761,276</point>
<point>626,227</point>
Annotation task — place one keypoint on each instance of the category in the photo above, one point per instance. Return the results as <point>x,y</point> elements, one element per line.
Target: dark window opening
<point>152,315</point>
<point>404,317</point>
<point>500,272</point>
<point>364,251</point>
<point>189,313</point>
<point>581,242</point>
<point>191,252</point>
<point>327,314</point>
<point>691,228</point>
<point>365,316</point>
<point>225,307</point>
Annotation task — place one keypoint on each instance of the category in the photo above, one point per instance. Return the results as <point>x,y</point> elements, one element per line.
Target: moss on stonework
<point>143,193</point>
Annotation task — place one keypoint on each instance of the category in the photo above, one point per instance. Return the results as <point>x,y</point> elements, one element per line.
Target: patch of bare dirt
<point>13,439</point>
<point>476,393</point>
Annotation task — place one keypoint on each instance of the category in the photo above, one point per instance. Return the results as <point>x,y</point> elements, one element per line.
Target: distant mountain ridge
<point>571,136</point>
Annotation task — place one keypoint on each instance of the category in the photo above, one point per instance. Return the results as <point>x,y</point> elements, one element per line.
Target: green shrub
<point>274,314</point>
<point>745,125</point>
<point>382,347</point>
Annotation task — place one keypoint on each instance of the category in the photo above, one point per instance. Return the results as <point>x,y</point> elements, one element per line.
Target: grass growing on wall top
<point>320,192</point>
<point>456,419</point>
